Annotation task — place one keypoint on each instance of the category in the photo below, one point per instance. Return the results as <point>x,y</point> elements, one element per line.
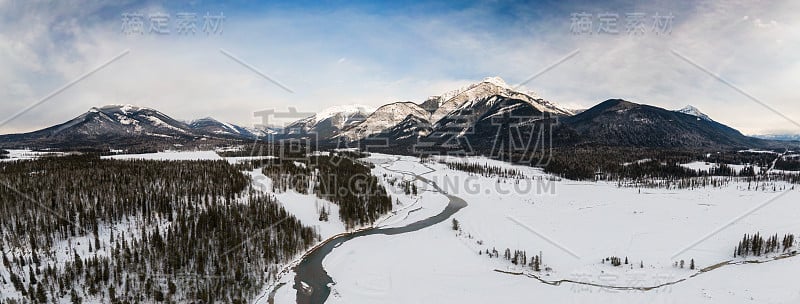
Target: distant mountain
<point>489,126</point>
<point>496,125</point>
<point>779,137</point>
<point>123,126</point>
<point>616,122</point>
<point>691,110</point>
<point>404,134</point>
<point>577,111</point>
<point>479,118</point>
<point>329,122</point>
<point>109,125</point>
<point>491,86</point>
<point>385,118</point>
<point>211,126</point>
<point>438,108</point>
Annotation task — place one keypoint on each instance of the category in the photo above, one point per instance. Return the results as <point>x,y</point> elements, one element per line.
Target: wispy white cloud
<point>348,55</point>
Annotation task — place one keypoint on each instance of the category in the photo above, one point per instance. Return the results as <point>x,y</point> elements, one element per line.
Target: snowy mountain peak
<point>496,80</point>
<point>490,86</point>
<point>346,110</point>
<point>384,118</point>
<point>691,110</point>
<point>499,82</point>
<point>331,121</point>
<point>207,118</point>
<point>124,108</point>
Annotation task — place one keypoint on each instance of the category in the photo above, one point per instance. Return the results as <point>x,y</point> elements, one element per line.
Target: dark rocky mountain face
<point>483,126</point>
<point>513,129</point>
<point>616,122</point>
<point>107,125</point>
<point>211,127</point>
<point>487,126</point>
<point>430,104</point>
<point>402,136</point>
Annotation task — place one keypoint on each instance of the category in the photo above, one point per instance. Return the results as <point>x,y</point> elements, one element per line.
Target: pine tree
<point>41,295</point>
<point>74,298</point>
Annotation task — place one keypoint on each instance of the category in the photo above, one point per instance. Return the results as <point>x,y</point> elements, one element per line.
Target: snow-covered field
<point>28,154</point>
<point>185,155</point>
<point>169,155</point>
<point>575,225</point>
<point>706,166</point>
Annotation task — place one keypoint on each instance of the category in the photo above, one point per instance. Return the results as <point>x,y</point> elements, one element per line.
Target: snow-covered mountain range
<point>435,108</point>
<point>127,125</point>
<point>474,113</point>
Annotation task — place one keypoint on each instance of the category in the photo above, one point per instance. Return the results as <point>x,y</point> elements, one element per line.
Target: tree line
<point>788,163</point>
<point>484,170</point>
<point>644,165</point>
<point>516,257</point>
<point>757,245</point>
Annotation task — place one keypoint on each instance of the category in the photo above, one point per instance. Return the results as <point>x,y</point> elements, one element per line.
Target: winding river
<point>312,282</point>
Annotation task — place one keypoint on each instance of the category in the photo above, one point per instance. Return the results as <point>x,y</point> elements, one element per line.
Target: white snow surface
<point>706,166</point>
<point>25,154</point>
<point>575,225</point>
<point>168,155</point>
<point>189,155</point>
<point>305,207</point>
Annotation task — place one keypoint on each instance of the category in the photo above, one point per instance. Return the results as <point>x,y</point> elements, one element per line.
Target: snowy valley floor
<point>574,225</point>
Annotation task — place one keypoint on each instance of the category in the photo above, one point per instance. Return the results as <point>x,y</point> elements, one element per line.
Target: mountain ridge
<point>479,112</point>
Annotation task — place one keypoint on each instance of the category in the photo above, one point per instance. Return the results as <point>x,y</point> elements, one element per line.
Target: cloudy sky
<point>365,53</point>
